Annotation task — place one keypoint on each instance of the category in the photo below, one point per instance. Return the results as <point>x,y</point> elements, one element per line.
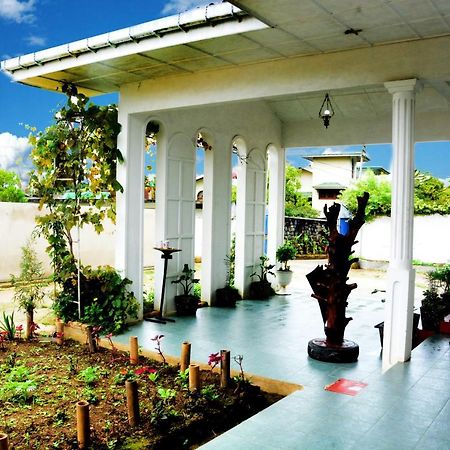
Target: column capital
<point>411,85</point>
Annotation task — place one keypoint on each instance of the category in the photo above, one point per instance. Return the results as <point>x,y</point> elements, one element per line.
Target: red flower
<point>19,327</point>
<point>144,370</point>
<point>214,359</point>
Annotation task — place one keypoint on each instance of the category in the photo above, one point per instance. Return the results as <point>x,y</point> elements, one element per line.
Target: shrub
<point>105,300</point>
<point>10,190</point>
<point>285,253</point>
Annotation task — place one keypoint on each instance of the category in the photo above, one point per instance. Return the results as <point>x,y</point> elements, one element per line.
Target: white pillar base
<point>397,341</point>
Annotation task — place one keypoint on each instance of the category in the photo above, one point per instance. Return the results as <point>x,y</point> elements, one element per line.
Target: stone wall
<point>295,226</point>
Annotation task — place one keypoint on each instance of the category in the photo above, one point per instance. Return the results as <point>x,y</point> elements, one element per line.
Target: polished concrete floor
<point>406,408</point>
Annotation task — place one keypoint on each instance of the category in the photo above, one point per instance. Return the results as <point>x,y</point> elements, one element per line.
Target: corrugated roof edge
<point>184,21</point>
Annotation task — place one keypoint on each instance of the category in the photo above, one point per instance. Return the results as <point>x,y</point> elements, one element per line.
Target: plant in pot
<point>436,299</point>
<point>261,289</point>
<point>228,295</point>
<point>285,253</point>
<point>186,304</point>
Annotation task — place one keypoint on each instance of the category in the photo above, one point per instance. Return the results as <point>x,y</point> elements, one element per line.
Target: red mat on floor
<point>344,386</point>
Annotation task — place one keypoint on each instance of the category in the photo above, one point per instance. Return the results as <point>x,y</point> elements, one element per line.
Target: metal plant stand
<point>166,254</point>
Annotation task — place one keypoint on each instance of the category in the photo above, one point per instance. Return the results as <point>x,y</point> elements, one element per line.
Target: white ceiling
<point>297,28</point>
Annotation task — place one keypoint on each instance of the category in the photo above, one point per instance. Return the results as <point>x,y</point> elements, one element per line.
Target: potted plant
<point>436,299</point>
<point>262,289</point>
<point>186,304</point>
<point>285,253</point>
<point>228,295</point>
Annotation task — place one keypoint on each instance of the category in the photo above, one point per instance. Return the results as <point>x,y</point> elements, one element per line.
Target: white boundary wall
<point>17,223</point>
<point>431,239</point>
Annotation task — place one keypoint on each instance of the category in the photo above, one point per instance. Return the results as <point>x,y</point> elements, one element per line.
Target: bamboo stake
<point>83,425</point>
<point>132,402</point>
<point>4,443</point>
<point>91,341</point>
<point>185,358</point>
<point>59,332</point>
<point>224,368</point>
<point>194,377</point>
<point>134,350</point>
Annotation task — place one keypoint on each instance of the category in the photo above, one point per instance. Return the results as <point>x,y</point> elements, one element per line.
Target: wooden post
<point>4,444</point>
<point>134,350</point>
<point>185,358</point>
<point>91,341</point>
<point>59,332</point>
<point>194,377</point>
<point>132,402</point>
<point>83,425</point>
<point>224,368</point>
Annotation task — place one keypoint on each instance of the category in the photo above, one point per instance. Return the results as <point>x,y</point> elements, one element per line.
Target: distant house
<point>329,173</point>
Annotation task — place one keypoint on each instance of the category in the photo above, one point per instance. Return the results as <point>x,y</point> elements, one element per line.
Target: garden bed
<point>41,382</point>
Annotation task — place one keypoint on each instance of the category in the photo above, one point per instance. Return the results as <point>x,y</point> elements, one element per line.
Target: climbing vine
<point>75,163</point>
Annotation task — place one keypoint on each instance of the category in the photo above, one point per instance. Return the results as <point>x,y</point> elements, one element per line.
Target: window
<point>328,194</point>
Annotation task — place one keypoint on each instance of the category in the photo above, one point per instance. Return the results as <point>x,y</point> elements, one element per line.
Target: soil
<point>40,383</point>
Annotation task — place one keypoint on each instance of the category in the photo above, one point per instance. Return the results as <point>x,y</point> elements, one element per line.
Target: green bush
<point>379,203</point>
<point>296,204</point>
<point>430,195</point>
<point>149,301</point>
<point>286,253</point>
<point>105,300</point>
<point>307,243</point>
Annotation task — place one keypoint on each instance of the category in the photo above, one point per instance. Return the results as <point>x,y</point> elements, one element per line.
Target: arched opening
<point>152,132</point>
<point>203,145</point>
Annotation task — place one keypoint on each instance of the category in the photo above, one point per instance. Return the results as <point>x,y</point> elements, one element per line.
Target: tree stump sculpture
<point>331,289</point>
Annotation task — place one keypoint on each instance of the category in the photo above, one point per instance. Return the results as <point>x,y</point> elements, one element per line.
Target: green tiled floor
<point>406,408</point>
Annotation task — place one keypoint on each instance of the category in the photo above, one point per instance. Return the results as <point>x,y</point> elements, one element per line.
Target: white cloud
<point>14,154</point>
<point>35,41</point>
<point>176,6</point>
<point>17,10</point>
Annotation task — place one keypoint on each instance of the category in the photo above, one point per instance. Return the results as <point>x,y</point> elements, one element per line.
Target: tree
<point>296,204</point>
<point>379,203</point>
<point>10,188</point>
<point>430,195</point>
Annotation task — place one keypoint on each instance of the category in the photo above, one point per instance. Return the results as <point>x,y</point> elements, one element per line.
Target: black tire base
<point>347,352</point>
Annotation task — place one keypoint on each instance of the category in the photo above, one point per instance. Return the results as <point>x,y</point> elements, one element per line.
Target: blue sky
<point>32,25</point>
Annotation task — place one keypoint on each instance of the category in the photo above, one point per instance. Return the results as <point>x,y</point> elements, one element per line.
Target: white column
<point>130,203</point>
<point>175,208</point>
<point>400,288</point>
<point>216,217</point>
<point>275,227</point>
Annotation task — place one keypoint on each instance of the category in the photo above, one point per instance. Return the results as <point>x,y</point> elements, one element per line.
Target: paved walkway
<point>406,408</point>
